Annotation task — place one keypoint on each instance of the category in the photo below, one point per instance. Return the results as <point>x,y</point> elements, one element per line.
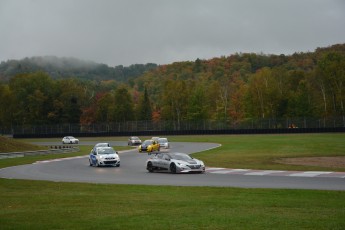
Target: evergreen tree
<point>123,105</point>
<point>144,108</point>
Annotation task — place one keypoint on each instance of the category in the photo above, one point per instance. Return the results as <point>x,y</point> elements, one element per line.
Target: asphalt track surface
<point>133,171</point>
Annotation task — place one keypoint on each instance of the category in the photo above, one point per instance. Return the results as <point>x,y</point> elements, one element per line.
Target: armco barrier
<point>38,152</point>
<point>185,132</point>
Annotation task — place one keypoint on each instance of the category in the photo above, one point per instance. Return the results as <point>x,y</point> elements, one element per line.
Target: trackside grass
<point>263,151</point>
<point>50,205</point>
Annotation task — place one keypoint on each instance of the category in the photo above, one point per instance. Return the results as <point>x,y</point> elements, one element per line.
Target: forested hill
<point>231,89</point>
<point>65,67</point>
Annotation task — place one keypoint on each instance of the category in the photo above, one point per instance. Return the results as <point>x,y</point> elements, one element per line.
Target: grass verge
<point>50,205</point>
<point>263,151</point>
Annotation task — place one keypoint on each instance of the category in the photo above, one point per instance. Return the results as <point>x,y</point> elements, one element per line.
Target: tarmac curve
<point>133,171</point>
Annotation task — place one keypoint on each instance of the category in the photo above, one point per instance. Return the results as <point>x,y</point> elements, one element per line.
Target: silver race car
<point>174,163</point>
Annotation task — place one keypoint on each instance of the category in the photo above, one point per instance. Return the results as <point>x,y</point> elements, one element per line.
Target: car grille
<point>110,162</point>
<point>110,158</point>
<point>194,166</point>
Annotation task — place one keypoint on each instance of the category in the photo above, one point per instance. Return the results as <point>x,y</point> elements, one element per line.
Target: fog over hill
<point>65,67</point>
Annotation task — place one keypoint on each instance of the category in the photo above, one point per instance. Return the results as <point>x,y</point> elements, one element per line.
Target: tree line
<point>231,89</point>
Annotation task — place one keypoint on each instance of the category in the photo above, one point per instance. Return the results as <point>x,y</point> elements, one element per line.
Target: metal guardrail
<point>173,126</point>
<point>38,152</point>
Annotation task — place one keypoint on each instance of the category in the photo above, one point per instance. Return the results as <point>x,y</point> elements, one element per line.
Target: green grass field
<point>49,205</point>
<point>55,205</point>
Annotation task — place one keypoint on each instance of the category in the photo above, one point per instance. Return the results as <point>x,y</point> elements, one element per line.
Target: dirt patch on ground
<point>335,162</point>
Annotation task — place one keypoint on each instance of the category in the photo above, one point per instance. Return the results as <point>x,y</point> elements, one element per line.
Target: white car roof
<point>101,144</point>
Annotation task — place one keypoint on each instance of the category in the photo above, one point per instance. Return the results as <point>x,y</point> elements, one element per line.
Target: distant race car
<point>99,145</point>
<point>134,141</point>
<point>104,156</point>
<point>155,138</point>
<point>70,140</point>
<point>164,143</point>
<point>174,163</point>
<point>149,146</point>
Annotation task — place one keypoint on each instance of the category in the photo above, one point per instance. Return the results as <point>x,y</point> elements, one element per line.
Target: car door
<point>154,148</point>
<point>157,162</point>
<point>165,161</point>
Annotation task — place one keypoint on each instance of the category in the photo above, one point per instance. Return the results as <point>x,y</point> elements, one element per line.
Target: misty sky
<point>125,32</point>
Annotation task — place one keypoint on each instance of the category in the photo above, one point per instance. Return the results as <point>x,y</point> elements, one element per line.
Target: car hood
<point>191,161</point>
<point>109,155</point>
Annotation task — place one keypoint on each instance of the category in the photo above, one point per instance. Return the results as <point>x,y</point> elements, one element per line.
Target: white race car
<point>70,140</point>
<point>164,143</point>
<point>134,141</point>
<point>174,163</point>
<point>99,145</point>
<point>104,156</point>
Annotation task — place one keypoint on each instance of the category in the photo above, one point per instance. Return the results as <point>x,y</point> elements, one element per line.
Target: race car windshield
<point>182,157</point>
<point>106,151</point>
<point>147,142</point>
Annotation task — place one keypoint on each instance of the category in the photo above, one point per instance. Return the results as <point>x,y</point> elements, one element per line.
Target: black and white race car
<point>174,163</point>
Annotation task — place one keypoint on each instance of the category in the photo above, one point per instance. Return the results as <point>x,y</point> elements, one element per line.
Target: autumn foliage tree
<point>228,90</point>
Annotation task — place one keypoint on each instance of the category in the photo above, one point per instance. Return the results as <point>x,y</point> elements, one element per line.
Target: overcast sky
<point>125,32</point>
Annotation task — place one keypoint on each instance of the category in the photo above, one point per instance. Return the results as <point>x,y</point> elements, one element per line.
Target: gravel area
<point>336,162</point>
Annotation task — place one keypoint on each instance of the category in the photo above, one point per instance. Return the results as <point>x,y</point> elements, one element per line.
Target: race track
<point>133,171</point>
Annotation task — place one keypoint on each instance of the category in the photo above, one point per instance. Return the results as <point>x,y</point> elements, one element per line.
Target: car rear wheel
<point>173,168</point>
<point>150,167</point>
<point>90,162</point>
